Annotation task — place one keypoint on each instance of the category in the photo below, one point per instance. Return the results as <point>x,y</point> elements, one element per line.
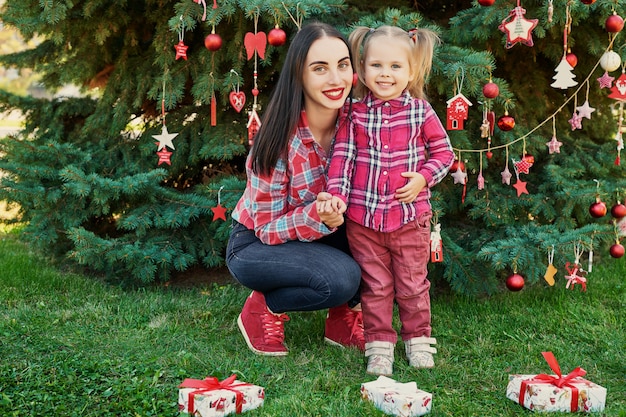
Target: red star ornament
<point>164,157</point>
<point>520,186</point>
<point>219,212</point>
<point>518,28</point>
<point>181,50</point>
<point>523,166</point>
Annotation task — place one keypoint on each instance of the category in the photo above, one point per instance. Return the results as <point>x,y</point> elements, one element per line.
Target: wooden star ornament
<point>165,138</point>
<point>518,28</point>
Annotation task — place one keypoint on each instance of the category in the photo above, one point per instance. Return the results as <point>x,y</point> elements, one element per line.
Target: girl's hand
<point>329,209</point>
<point>409,192</point>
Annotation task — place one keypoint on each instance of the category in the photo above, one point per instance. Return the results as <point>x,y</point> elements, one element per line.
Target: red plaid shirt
<point>385,139</point>
<point>281,206</point>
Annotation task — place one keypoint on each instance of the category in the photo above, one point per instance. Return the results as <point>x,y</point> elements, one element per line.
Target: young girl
<point>384,163</point>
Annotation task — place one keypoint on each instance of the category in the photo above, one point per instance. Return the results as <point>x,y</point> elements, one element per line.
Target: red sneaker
<point>262,329</point>
<point>344,327</point>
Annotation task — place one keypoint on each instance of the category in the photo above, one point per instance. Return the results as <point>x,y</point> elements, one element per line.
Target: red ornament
<point>597,209</point>
<point>213,42</point>
<point>571,59</point>
<point>515,282</point>
<point>491,90</point>
<point>614,23</point>
<point>486,2</point>
<point>219,212</point>
<point>237,100</point>
<point>506,123</point>
<point>181,50</point>
<point>255,42</point>
<point>489,154</point>
<point>618,211</point>
<point>588,1</point>
<point>277,37</point>
<point>617,250</point>
<point>456,164</point>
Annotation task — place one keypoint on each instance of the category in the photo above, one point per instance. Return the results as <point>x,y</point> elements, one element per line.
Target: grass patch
<point>74,346</point>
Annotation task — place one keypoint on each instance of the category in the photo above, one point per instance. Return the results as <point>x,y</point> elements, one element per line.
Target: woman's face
<point>327,77</point>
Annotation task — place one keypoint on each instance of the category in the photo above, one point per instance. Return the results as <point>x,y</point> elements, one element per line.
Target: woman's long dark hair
<point>280,118</point>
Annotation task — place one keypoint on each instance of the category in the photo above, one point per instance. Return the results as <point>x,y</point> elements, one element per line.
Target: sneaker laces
<point>273,329</point>
<point>354,319</point>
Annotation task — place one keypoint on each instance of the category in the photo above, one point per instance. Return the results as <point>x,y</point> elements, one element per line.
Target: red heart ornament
<point>237,100</point>
<point>254,42</point>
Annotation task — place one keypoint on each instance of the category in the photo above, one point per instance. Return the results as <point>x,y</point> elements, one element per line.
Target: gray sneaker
<point>419,352</point>
<point>379,358</point>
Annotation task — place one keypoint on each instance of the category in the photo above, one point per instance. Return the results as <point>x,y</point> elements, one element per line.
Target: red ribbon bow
<point>213,384</point>
<point>560,381</point>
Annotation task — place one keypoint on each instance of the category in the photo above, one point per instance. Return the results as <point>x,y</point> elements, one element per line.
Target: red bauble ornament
<point>597,209</point>
<point>529,158</point>
<point>506,123</point>
<point>618,211</point>
<point>515,282</point>
<point>213,42</point>
<point>456,164</point>
<point>617,250</point>
<point>486,2</point>
<point>489,154</point>
<point>614,23</point>
<point>277,37</point>
<point>571,59</point>
<point>491,90</point>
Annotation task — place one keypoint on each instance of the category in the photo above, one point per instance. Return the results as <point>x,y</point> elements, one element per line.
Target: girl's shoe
<point>419,352</point>
<point>379,358</point>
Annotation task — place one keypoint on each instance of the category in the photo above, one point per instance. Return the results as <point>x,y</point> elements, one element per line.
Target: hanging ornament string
<point>298,19</point>
<point>203,2</point>
<point>256,40</point>
<point>540,125</point>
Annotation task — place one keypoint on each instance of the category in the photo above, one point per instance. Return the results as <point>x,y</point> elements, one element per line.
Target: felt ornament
<point>517,27</point>
<point>219,212</point>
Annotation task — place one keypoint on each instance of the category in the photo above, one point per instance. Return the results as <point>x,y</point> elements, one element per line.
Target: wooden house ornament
<point>254,122</point>
<point>618,91</point>
<point>458,107</point>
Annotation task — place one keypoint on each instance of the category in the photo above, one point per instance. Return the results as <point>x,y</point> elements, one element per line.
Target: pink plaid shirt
<point>281,206</point>
<point>385,139</point>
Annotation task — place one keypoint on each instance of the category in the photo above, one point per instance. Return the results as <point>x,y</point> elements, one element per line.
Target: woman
<point>281,247</point>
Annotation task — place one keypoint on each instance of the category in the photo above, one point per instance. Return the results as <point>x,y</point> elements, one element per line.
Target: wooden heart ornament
<point>237,100</point>
<point>254,42</point>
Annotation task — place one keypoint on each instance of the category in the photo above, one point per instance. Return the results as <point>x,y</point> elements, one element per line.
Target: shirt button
<point>384,172</point>
<point>386,147</point>
<point>382,199</point>
<point>386,122</point>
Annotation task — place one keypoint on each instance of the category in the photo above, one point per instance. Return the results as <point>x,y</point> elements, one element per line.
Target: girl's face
<point>386,67</point>
<point>327,77</point>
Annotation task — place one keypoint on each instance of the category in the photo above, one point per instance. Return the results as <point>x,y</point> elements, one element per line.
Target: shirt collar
<point>401,101</point>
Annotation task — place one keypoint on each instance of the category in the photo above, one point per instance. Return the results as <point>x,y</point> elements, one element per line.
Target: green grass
<point>74,346</point>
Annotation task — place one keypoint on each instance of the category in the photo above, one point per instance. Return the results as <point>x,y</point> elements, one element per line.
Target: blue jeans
<point>294,276</point>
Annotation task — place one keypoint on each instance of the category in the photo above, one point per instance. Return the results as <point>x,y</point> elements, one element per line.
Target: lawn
<point>75,346</point>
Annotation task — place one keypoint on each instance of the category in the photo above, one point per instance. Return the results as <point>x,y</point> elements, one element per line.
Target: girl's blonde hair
<point>421,46</point>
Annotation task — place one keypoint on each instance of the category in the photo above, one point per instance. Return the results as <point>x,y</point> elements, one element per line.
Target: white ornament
<point>610,61</point>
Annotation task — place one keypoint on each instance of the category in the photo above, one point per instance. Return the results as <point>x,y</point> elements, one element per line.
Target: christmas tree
<point>137,177</point>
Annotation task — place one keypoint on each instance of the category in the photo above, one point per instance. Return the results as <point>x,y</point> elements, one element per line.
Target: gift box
<point>546,393</point>
<point>210,397</point>
<point>396,398</point>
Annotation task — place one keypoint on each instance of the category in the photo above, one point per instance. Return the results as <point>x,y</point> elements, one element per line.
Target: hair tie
<point>413,34</point>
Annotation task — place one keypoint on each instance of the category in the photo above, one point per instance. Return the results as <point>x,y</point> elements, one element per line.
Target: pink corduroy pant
<point>394,268</point>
